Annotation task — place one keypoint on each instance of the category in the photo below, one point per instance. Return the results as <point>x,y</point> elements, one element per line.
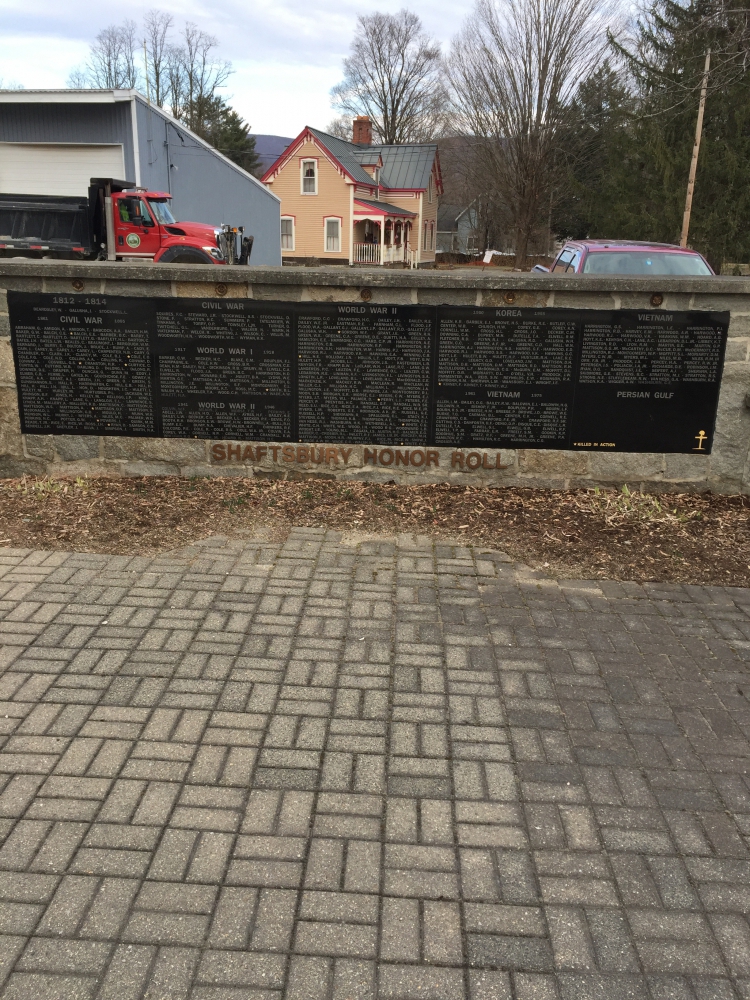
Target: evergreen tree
<point>595,142</point>
<point>667,65</point>
<point>632,145</point>
<point>219,124</point>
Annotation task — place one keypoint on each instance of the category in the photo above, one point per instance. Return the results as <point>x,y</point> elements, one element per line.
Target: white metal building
<point>53,141</point>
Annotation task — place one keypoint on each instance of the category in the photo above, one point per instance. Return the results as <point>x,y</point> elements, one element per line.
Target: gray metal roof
<point>383,206</point>
<point>342,151</point>
<point>407,166</point>
<point>366,154</point>
<point>404,167</point>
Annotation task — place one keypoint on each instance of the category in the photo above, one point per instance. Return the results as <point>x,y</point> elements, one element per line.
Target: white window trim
<point>302,162</point>
<point>326,220</point>
<point>292,219</point>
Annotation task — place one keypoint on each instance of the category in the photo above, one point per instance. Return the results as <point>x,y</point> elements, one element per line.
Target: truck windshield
<point>162,211</point>
<point>644,262</point>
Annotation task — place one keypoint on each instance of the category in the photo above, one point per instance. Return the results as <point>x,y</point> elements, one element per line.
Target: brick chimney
<point>362,130</point>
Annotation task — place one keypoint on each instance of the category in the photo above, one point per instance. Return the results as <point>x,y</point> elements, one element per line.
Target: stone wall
<point>725,470</point>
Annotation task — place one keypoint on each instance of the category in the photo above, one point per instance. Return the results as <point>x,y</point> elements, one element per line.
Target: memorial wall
<point>375,375</point>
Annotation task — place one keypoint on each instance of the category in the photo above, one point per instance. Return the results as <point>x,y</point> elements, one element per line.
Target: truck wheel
<point>184,255</point>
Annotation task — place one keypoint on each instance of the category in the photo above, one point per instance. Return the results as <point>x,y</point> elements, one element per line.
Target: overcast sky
<point>286,53</point>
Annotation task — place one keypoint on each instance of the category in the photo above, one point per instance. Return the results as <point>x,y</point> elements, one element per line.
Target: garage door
<point>56,168</point>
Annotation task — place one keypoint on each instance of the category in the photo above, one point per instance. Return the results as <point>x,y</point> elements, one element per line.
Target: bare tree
<point>514,70</point>
<point>466,183</point>
<point>112,60</point>
<point>195,75</point>
<point>341,127</point>
<point>156,26</point>
<point>185,77</point>
<point>394,75</point>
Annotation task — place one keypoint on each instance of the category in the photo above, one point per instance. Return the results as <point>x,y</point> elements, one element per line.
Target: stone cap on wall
<point>345,277</point>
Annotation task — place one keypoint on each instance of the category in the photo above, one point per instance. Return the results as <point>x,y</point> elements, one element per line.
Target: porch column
<point>382,240</point>
<point>351,224</point>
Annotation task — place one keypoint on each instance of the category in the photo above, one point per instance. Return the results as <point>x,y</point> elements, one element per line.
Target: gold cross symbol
<point>700,437</point>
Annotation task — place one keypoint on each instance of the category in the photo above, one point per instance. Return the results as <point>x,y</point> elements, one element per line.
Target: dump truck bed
<point>45,222</point>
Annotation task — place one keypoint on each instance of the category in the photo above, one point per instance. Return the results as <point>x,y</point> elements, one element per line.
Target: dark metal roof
<point>342,150</point>
<point>407,166</point>
<point>448,217</point>
<point>383,206</point>
<point>404,167</point>
<point>366,154</point>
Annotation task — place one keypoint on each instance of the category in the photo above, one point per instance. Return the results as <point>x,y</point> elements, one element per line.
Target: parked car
<point>626,257</point>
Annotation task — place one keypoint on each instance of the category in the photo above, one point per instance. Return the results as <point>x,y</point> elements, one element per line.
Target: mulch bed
<point>681,538</point>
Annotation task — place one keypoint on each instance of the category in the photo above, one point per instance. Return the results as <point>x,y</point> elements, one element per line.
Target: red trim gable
<point>292,148</point>
<point>306,134</point>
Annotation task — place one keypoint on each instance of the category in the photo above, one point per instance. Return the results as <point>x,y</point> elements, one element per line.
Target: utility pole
<point>696,150</point>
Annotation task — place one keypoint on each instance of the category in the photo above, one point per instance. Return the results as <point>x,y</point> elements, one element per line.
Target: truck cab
<point>144,226</point>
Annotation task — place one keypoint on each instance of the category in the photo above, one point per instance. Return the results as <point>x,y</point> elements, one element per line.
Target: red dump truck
<point>115,221</point>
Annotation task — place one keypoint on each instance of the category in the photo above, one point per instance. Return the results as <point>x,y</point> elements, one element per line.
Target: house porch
<point>382,236</point>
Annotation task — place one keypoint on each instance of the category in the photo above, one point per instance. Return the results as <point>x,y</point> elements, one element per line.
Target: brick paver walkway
<point>384,770</point>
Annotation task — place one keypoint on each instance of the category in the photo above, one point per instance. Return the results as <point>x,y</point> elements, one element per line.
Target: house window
<point>429,190</point>
<point>309,177</point>
<point>287,232</point>
<point>333,235</point>
<point>428,238</point>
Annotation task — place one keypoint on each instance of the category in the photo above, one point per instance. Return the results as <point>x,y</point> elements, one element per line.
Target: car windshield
<point>162,211</point>
<point>643,262</point>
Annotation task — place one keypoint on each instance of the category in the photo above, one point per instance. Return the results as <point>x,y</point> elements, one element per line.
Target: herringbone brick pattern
<point>375,770</point>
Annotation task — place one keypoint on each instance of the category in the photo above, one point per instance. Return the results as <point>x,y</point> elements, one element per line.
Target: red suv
<point>627,257</point>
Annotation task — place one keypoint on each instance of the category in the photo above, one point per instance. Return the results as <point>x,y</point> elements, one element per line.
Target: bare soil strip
<point>680,538</point>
